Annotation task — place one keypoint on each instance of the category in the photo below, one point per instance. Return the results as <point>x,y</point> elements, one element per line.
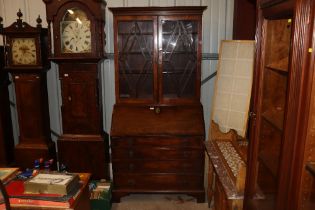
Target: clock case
<point>95,11</point>
<point>83,145</point>
<point>21,29</point>
<point>30,83</point>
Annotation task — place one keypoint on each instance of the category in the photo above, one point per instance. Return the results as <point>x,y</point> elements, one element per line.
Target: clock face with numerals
<point>75,32</point>
<point>23,51</point>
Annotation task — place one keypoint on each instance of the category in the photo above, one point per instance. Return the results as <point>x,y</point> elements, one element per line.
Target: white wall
<point>217,25</point>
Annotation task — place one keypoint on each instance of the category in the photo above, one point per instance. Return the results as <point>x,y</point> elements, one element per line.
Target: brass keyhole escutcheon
<point>69,98</point>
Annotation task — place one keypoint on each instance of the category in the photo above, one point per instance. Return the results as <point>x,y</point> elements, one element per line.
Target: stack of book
<point>45,190</point>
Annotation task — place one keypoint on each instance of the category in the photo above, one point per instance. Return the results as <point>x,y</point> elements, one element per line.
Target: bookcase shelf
<point>275,117</point>
<point>269,164</point>
<point>281,66</point>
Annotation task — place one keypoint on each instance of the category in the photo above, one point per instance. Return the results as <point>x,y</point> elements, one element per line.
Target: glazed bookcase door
<point>179,68</point>
<point>136,46</point>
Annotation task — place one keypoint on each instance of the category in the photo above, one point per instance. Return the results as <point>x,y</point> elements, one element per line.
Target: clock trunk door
<point>136,46</point>
<point>31,113</point>
<point>80,105</point>
<point>179,58</point>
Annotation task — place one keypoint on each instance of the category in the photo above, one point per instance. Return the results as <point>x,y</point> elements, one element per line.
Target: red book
<point>41,203</point>
<point>15,190</point>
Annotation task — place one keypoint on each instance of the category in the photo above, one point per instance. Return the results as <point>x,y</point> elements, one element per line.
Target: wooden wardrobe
<point>281,159</point>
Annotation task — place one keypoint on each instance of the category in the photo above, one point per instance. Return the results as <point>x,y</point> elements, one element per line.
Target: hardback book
<point>52,183</point>
<point>7,173</point>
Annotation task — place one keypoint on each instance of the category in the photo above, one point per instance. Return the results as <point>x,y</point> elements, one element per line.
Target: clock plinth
<point>25,154</point>
<point>85,152</point>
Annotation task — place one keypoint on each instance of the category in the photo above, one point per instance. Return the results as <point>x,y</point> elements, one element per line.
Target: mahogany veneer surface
<point>172,120</point>
<point>158,153</point>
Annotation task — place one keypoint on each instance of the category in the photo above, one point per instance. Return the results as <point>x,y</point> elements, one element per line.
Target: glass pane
<point>135,46</point>
<point>179,48</point>
<point>75,32</point>
<point>273,106</point>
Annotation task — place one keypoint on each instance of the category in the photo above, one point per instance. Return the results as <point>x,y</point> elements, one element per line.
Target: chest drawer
<point>156,153</point>
<point>158,166</point>
<point>192,142</point>
<point>158,181</point>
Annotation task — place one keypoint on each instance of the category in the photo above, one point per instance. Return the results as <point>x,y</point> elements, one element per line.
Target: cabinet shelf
<point>269,162</point>
<point>280,66</point>
<point>274,117</point>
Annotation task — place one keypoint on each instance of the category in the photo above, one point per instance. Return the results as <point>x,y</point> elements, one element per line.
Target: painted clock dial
<point>75,32</point>
<point>24,51</point>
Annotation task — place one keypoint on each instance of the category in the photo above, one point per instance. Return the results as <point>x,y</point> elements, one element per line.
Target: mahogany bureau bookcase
<point>157,128</point>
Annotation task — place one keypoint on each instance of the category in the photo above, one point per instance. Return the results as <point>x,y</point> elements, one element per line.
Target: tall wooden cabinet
<point>281,139</point>
<point>77,46</point>
<point>26,60</point>
<point>157,123</point>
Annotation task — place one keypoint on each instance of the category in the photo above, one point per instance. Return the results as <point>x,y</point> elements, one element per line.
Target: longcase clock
<point>77,46</point>
<point>26,60</point>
